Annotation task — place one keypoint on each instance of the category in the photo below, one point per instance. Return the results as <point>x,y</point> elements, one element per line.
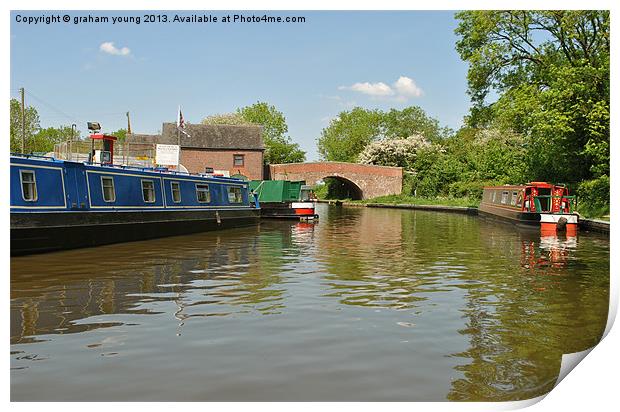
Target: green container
<point>277,191</point>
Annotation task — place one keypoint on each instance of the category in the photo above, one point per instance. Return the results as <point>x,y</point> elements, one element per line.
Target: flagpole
<point>179,144</point>
<point>179,139</point>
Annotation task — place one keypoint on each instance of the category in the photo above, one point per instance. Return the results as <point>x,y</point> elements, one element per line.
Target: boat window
<point>202,193</point>
<point>238,159</point>
<point>493,200</point>
<point>513,200</point>
<point>504,198</point>
<point>234,195</point>
<point>29,185</point>
<point>107,188</point>
<point>176,191</point>
<point>148,191</point>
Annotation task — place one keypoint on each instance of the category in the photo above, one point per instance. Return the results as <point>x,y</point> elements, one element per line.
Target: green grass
<point>412,200</point>
<point>598,211</point>
<point>587,211</point>
<point>416,200</point>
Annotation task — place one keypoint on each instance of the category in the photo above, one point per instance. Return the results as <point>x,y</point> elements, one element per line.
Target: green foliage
<point>320,191</point>
<point>120,134</point>
<point>279,148</point>
<point>45,139</point>
<point>413,121</point>
<point>348,134</point>
<point>272,120</point>
<point>352,131</point>
<point>32,126</point>
<point>550,70</point>
<point>593,197</point>
<point>226,119</point>
<point>471,190</point>
<point>419,200</point>
<point>37,139</point>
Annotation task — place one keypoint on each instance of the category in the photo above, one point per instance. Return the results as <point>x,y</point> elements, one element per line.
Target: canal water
<point>368,304</point>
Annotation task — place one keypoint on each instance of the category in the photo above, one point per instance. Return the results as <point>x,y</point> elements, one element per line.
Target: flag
<point>181,123</point>
<point>180,120</point>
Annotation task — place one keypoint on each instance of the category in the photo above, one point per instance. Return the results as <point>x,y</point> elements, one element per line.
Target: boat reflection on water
<point>367,304</point>
<point>203,275</point>
<point>546,250</point>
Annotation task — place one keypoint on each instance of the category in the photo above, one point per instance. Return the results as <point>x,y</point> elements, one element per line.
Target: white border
<point>593,384</point>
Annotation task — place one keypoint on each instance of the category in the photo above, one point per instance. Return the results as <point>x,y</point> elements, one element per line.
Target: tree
<point>279,148</point>
<point>348,134</point>
<point>352,131</point>
<point>551,72</point>
<point>394,152</point>
<point>413,121</point>
<point>120,134</point>
<point>32,126</point>
<point>226,118</point>
<point>45,139</point>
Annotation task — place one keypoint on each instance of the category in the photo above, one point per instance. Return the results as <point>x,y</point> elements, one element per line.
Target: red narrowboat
<point>536,203</point>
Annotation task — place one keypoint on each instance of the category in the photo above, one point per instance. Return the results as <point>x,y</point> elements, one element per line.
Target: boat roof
<point>530,184</point>
<point>124,167</point>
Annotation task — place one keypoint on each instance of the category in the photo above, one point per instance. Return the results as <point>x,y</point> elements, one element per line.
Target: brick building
<point>237,149</point>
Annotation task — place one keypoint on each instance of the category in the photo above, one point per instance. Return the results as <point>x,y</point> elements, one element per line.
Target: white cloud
<point>108,47</point>
<point>406,87</point>
<point>401,90</point>
<point>371,89</point>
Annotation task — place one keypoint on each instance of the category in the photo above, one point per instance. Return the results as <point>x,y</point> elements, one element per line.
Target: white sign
<point>167,154</point>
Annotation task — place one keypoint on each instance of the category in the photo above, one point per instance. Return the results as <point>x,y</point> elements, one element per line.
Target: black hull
<point>282,211</point>
<point>516,217</point>
<point>47,232</point>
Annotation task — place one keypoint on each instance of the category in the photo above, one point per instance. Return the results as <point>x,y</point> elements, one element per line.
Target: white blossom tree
<point>394,152</point>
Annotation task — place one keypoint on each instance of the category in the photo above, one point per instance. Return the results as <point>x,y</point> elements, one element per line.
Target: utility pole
<point>126,155</point>
<point>23,121</point>
<point>73,127</point>
<point>179,144</point>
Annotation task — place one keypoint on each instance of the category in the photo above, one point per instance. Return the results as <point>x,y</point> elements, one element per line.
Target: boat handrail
<point>29,155</point>
<point>124,167</point>
<point>159,170</point>
<point>572,201</point>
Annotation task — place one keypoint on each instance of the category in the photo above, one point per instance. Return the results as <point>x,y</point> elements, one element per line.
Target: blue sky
<point>310,71</point>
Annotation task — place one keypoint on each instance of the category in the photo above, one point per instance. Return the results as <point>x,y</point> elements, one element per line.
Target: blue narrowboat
<point>59,204</point>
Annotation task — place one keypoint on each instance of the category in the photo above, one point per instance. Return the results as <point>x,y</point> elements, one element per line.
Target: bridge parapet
<point>370,180</point>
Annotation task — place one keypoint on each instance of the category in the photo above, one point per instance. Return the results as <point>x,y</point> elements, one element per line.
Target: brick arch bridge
<point>368,180</point>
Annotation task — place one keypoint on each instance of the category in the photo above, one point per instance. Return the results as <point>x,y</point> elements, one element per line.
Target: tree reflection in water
<point>210,274</point>
<point>465,308</point>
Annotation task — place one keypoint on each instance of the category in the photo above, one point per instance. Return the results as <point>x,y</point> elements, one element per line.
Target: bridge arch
<point>365,181</point>
<point>344,188</point>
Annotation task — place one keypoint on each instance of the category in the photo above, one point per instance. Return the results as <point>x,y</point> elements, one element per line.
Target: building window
<point>29,185</point>
<point>504,198</point>
<point>176,192</point>
<point>202,193</point>
<point>238,160</point>
<point>148,191</point>
<point>107,188</point>
<point>234,195</point>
